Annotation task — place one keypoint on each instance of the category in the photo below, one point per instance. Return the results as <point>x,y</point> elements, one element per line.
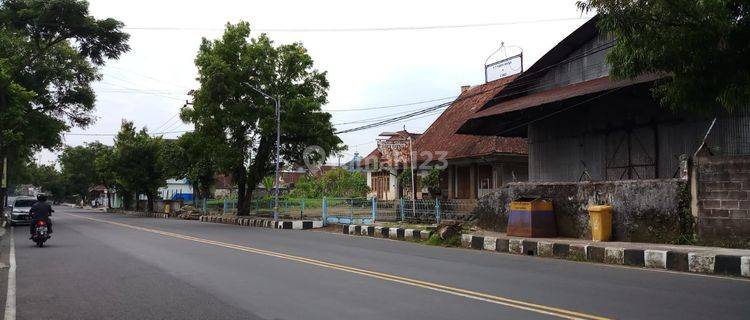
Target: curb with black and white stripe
<point>385,232</point>
<point>698,262</point>
<point>265,223</point>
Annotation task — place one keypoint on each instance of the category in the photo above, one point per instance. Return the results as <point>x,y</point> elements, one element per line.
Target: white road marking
<point>10,300</point>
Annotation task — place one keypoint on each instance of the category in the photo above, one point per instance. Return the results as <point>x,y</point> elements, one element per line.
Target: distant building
<point>177,189</point>
<point>353,164</point>
<point>387,162</point>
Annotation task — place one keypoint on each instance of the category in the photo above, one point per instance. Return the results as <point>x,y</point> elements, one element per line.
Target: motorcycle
<point>41,233</point>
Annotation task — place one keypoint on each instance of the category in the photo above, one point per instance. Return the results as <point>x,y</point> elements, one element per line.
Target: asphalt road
<point>101,266</point>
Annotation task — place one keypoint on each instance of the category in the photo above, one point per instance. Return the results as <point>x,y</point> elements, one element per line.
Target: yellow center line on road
<point>528,306</point>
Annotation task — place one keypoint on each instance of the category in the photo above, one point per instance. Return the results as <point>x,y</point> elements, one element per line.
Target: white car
<point>18,212</point>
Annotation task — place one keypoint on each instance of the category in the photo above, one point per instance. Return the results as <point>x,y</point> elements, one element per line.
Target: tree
<point>268,184</point>
<point>191,157</point>
<point>49,54</point>
<point>342,183</point>
<point>78,167</point>
<point>405,179</point>
<point>50,180</point>
<point>703,47</point>
<point>228,109</point>
<point>138,166</point>
<point>432,181</point>
<point>106,173</point>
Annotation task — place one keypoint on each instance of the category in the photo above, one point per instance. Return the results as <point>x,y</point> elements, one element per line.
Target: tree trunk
<point>260,165</point>
<point>150,202</point>
<point>240,176</point>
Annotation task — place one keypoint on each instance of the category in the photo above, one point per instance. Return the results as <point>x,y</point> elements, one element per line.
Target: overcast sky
<point>148,85</point>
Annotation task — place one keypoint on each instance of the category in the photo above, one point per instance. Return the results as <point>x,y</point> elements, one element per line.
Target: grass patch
<point>435,240</point>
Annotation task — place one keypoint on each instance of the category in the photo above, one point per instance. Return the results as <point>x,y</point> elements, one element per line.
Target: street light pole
<point>278,148</point>
<point>277,101</point>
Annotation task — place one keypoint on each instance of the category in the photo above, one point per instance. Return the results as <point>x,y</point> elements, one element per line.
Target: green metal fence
<point>355,210</point>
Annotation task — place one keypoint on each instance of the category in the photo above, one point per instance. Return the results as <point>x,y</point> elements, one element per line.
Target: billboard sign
<point>503,68</point>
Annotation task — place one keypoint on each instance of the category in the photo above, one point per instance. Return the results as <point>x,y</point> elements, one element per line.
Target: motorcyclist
<point>41,210</point>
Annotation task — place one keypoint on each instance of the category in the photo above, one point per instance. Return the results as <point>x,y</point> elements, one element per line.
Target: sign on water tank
<point>504,68</point>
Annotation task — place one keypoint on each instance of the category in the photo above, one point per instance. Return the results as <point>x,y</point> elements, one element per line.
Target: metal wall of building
<point>583,140</point>
<point>585,63</point>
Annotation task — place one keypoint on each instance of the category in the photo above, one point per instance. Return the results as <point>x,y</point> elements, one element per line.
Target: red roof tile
<point>441,136</point>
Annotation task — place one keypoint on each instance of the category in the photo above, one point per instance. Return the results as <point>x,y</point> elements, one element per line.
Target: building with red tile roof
<point>472,165</point>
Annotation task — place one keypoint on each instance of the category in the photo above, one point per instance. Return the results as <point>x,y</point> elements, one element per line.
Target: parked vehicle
<point>41,233</point>
<point>18,213</point>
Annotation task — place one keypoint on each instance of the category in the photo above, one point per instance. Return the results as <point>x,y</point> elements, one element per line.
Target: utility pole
<point>413,183</point>
<point>277,101</point>
<point>278,148</point>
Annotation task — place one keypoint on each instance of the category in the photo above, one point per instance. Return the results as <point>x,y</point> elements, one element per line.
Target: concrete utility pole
<point>278,148</point>
<point>413,183</point>
<point>277,101</point>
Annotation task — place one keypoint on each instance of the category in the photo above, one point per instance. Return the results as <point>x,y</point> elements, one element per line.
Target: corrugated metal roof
<point>492,120</point>
<point>562,93</point>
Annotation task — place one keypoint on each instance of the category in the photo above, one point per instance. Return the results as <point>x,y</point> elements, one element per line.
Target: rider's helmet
<point>41,198</point>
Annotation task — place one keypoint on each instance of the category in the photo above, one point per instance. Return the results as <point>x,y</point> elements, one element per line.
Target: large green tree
<point>106,173</point>
<point>241,120</point>
<point>138,164</point>
<point>50,51</point>
<point>49,179</point>
<point>703,47</point>
<point>190,157</point>
<point>79,169</point>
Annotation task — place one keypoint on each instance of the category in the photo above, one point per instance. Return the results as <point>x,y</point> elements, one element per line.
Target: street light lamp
<point>278,148</point>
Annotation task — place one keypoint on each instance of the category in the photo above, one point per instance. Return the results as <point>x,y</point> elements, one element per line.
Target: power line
<point>381,117</point>
<point>512,85</point>
<point>433,109</point>
<point>84,134</point>
<point>369,29</point>
<point>152,78</point>
<point>396,119</point>
<point>168,120</point>
<point>391,106</point>
<point>138,91</point>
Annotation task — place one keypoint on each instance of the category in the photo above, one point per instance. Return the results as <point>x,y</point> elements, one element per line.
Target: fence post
<point>374,208</point>
<point>325,211</point>
<point>302,209</point>
<point>437,210</point>
<point>351,210</point>
<point>226,205</point>
<point>401,209</point>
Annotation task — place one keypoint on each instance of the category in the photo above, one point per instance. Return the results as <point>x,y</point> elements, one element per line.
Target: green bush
<point>337,183</point>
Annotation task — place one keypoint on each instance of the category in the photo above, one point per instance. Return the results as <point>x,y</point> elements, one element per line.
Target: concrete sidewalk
<point>709,260</point>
